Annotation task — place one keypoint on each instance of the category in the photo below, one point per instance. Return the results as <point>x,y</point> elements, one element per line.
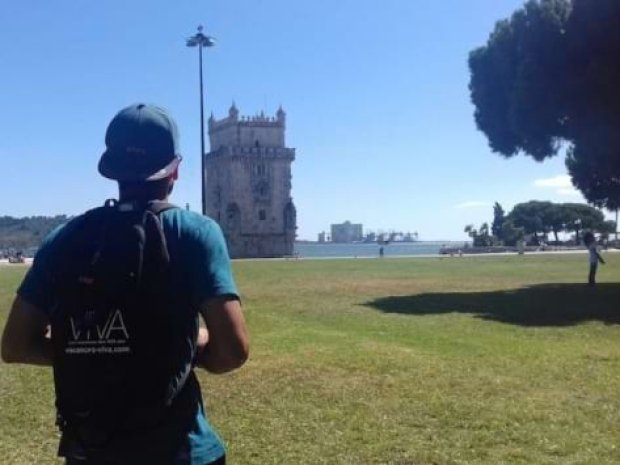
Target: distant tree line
<point>28,232</point>
<point>534,221</point>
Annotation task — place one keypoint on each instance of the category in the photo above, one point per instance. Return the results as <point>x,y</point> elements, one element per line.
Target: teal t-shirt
<point>200,270</point>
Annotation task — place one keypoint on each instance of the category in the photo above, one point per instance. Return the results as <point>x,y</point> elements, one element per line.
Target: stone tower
<point>249,184</point>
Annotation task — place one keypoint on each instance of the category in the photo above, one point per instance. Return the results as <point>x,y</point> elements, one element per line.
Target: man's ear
<point>175,174</point>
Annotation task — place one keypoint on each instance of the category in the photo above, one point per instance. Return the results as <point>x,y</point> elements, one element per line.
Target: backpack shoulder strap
<point>157,207</point>
<point>81,228</point>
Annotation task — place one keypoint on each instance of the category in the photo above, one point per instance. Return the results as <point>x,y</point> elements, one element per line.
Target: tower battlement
<point>258,130</point>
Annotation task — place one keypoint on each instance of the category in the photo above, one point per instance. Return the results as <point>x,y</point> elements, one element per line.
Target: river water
<point>394,249</point>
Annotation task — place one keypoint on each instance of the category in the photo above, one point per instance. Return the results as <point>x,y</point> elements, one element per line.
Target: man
<point>594,256</point>
<point>142,156</point>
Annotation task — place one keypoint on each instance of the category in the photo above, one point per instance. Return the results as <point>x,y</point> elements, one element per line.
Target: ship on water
<point>398,237</point>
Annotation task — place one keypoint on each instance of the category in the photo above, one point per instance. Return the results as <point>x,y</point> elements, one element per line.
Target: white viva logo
<point>114,328</point>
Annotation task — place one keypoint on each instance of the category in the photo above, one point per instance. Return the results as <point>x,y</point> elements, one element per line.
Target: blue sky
<point>375,92</point>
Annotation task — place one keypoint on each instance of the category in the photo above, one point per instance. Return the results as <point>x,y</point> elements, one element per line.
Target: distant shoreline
<point>28,262</point>
<point>330,243</point>
<point>425,256</point>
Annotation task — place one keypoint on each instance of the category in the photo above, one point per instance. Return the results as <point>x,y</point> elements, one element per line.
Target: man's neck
<point>140,199</point>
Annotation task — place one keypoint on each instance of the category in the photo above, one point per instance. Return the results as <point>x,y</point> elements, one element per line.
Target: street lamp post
<point>201,40</point>
<point>577,228</point>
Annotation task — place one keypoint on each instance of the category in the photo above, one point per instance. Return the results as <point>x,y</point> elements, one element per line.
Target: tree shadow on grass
<point>538,305</point>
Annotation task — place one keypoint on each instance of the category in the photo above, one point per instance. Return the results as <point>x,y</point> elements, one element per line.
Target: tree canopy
<point>537,217</point>
<point>499,217</point>
<point>549,76</point>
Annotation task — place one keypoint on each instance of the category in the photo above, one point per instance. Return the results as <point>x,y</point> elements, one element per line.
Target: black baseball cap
<point>141,145</point>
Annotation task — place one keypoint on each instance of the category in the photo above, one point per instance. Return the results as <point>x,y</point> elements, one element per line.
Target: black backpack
<point>114,330</point>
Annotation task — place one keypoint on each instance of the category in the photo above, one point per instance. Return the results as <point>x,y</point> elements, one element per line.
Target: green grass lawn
<point>485,360</point>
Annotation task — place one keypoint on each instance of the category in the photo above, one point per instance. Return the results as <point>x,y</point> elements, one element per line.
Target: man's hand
<point>226,345</point>
<point>26,337</point>
<point>203,338</point>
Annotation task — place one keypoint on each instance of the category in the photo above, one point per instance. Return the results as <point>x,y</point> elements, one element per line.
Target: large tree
<point>532,216</point>
<point>548,77</point>
<point>556,217</point>
<point>580,216</point>
<point>536,217</point>
<point>499,216</point>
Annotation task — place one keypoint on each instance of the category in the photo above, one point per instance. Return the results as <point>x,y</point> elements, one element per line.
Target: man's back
<point>199,270</point>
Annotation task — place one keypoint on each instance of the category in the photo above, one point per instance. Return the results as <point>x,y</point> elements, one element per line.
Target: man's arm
<point>25,337</point>
<point>225,346</point>
<point>600,259</point>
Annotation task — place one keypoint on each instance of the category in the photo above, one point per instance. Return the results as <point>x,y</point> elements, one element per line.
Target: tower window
<point>261,189</point>
<point>262,215</point>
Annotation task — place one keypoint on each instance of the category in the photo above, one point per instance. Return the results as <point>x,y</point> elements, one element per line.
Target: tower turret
<point>281,115</point>
<point>233,112</point>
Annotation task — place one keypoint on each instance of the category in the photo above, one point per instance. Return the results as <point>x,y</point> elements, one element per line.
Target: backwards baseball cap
<point>141,145</point>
